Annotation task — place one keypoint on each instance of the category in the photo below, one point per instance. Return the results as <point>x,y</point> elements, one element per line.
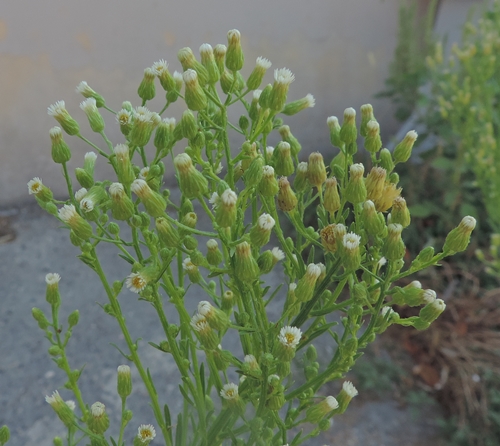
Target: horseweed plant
<point>348,263</point>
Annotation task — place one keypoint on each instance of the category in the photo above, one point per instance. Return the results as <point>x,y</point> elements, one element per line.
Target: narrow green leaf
<point>126,259</point>
<point>168,421</point>
<point>202,376</point>
<point>186,397</point>
<point>178,431</point>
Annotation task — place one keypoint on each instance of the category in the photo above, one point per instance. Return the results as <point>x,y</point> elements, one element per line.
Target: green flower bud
<point>266,262</point>
<point>256,76</point>
<point>41,192</point>
<point>96,121</point>
<point>191,270</point>
<point>373,143</point>
<point>268,185</point>
<point>204,331</point>
<point>191,182</point>
<point>225,209</point>
<point>214,255</point>
<point>334,126</point>
<point>62,410</point>
<point>124,169</point>
<point>234,54</point>
<point>154,202</point>
<point>432,311</point>
<point>249,152</point>
<point>40,317</point>
<point>227,81</point>
<point>73,318</point>
<point>348,132</point>
<point>345,396</point>
<point>316,170</point>
<point>84,178</point>
<point>98,421</point>
<point>366,117</point>
<point>245,266</point>
<point>122,207</point>
<point>282,159</point>
<point>322,410</point>
<point>422,258</point>
<point>194,95</point>
<point>400,213</point>
<point>167,233</point>
<point>331,197</point>
<point>144,122</point>
<point>394,247</point>
<point>87,92</point>
<point>265,96</point>
<point>375,183</point>
<point>166,80</point>
<point>292,108</point>
<point>253,175</point>
<point>124,383</point>
<point>458,239</point>
<point>54,350</point>
<point>164,134</point>
<point>208,61</point>
<point>57,441</point>
<point>261,231</point>
<point>351,256</point>
<point>305,287</point>
<point>4,435</point>
<point>147,90</point>
<point>283,77</point>
<point>287,136</point>
<point>287,201</point>
<point>75,221</point>
<point>59,112</point>
<point>386,161</point>
<point>373,221</point>
<point>188,61</point>
<point>355,191</point>
<point>300,182</point>
<point>92,199</point>
<point>402,151</point>
<point>216,318</point>
<point>60,150</point>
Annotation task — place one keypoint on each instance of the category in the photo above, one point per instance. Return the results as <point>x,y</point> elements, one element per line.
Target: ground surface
<point>27,374</point>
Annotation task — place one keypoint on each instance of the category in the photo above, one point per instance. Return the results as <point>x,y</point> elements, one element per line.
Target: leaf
<point>178,433</point>
<point>186,397</point>
<point>168,421</point>
<point>126,259</point>
<point>202,377</point>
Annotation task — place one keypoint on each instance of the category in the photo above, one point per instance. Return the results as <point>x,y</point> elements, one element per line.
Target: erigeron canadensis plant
<point>247,193</point>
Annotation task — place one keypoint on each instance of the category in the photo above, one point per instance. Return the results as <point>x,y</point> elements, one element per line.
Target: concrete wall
<point>339,51</point>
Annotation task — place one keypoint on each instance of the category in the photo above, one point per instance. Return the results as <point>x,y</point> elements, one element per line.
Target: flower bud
<point>167,233</point>
<point>375,182</point>
<point>316,170</point>
<point>231,398</point>
<point>188,60</point>
<point>256,76</point>
<point>288,340</point>
<point>411,294</point>
<point>400,213</point>
<point>208,61</point>
<point>124,168</point>
<point>334,126</point>
<point>214,255</point>
<point>73,318</point>
<point>124,383</point>
<point>245,266</point>
<point>331,197</point>
<point>348,132</point>
<point>265,97</point>
<point>227,301</point>
<point>60,150</point>
<point>318,412</point>
<point>204,331</point>
<point>216,318</point>
<point>266,262</point>
<point>373,221</point>
<point>59,112</point>
<point>287,136</point>
<point>75,221</point>
<point>283,77</point>
<point>122,207</point>
<point>164,76</point>
<point>93,198</point>
<point>386,161</point>
<point>234,53</point>
<point>261,231</point>
<point>191,182</point>
<point>251,366</point>
<point>164,134</point>
<point>351,256</point>
<point>62,410</point>
<point>458,239</point>
<point>95,119</point>
<point>268,185</point>
<point>42,192</point>
<point>287,201</point>
<point>394,247</point>
<point>98,421</point>
<point>153,202</point>
<point>431,311</point>
<point>305,286</point>
<point>402,151</point>
<point>226,210</point>
<point>147,90</point>
<point>253,175</point>
<point>328,238</point>
<point>373,143</point>
<point>87,92</point>
<point>423,257</point>
<point>366,117</point>
<point>292,108</point>
<point>191,270</point>
<point>345,396</point>
<point>194,95</point>
<point>300,182</point>
<point>4,435</point>
<point>355,191</point>
<point>40,317</point>
<point>282,159</point>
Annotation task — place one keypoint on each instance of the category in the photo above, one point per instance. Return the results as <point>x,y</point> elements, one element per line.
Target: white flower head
<point>357,169</point>
<point>332,402</point>
<point>218,169</point>
<point>268,171</point>
<point>313,271</point>
<point>83,88</point>
<point>97,409</point>
<point>177,77</point>
<point>160,67</point>
<point>351,241</point>
<point>278,254</point>
<point>136,282</point>
<point>88,105</point>
<point>116,190</point>
<point>124,117</point>
<point>310,100</point>
<point>90,156</point>
<point>229,391</point>
<point>199,323</point>
<point>229,198</point>
<point>250,359</point>
<point>187,265</point>
<point>292,287</point>
<point>382,262</point>
<point>332,121</point>
<point>264,63</point>
<point>429,296</point>
<point>373,125</point>
<point>266,222</point>
<point>52,278</point>
<point>121,151</point>
<point>146,432</point>
<point>139,187</point>
<point>269,152</point>
<point>190,76</point>
<point>87,204</point>
<point>71,404</point>
<point>283,76</point>
<point>206,49</point>
<point>55,132</point>
<point>415,284</point>
<point>412,135</point>
<point>290,336</point>
<point>58,109</point>
<point>349,113</point>
<point>67,213</point>
<point>35,186</point>
<point>468,223</point>
<point>214,200</point>
<point>212,244</point>
<point>256,94</point>
<point>54,399</point>
<point>302,167</point>
<point>143,114</point>
<point>143,173</point>
<point>349,388</point>
<point>205,308</point>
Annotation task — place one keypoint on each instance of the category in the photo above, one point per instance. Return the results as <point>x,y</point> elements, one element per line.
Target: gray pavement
<point>27,373</point>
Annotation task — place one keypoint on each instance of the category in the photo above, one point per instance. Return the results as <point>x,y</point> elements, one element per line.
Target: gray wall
<point>339,51</point>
